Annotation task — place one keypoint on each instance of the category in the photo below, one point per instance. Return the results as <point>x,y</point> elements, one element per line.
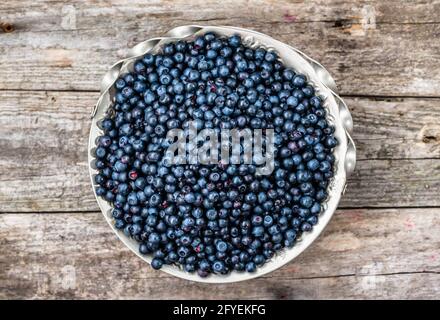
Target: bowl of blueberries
<point>219,154</point>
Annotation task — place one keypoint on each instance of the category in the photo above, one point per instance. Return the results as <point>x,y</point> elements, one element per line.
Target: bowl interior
<point>291,58</point>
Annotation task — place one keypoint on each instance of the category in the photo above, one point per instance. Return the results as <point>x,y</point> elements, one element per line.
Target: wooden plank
<point>394,183</point>
<point>44,159</point>
<point>77,256</point>
<point>49,14</point>
<point>370,47</point>
<point>417,286</point>
<point>396,128</point>
<point>44,163</point>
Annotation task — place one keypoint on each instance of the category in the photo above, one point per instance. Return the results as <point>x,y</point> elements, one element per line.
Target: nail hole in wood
<point>429,139</point>
<point>7,27</point>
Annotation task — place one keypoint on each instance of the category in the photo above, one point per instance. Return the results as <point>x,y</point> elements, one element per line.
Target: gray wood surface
<point>370,47</point>
<point>383,243</point>
<point>45,152</point>
<point>362,253</point>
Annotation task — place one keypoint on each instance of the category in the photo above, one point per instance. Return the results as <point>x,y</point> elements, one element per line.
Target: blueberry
<point>292,101</point>
<point>306,201</point>
<point>315,209</point>
<point>250,198</point>
<point>268,221</point>
<point>299,80</point>
<point>119,224</point>
<point>306,227</point>
<point>156,263</point>
<point>188,222</point>
<point>324,166</point>
<point>258,231</point>
<point>315,101</point>
<point>100,152</point>
<point>127,92</point>
<point>214,177</point>
<point>211,54</point>
<point>290,234</point>
<point>221,246</point>
<point>330,142</point>
<point>120,84</point>
<point>218,266</point>
<point>126,129</point>
<point>148,59</point>
<point>313,220</point>
<point>303,176</point>
<point>154,238</point>
<point>165,79</point>
<point>280,174</point>
<point>251,267</point>
<point>109,196</point>
<point>139,67</point>
<point>234,41</point>
<point>193,75</point>
<point>100,191</point>
<point>321,195</point>
<point>270,56</point>
<point>140,183</point>
<point>313,164</point>
<point>223,71</point>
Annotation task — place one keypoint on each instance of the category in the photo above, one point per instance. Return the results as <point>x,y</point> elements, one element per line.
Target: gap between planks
<point>344,22</point>
<point>345,95</point>
<point>349,242</point>
<point>341,209</point>
<point>354,275</point>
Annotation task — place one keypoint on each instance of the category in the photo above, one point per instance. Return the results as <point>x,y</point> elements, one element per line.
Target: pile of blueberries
<point>213,218</point>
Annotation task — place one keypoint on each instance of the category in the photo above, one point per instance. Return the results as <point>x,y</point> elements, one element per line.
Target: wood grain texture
<point>394,183</point>
<point>44,137</point>
<point>370,47</point>
<point>395,128</point>
<point>48,14</point>
<point>53,55</point>
<point>44,141</point>
<point>362,253</point>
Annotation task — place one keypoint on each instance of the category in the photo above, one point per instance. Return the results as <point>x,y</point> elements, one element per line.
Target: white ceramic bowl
<point>318,77</point>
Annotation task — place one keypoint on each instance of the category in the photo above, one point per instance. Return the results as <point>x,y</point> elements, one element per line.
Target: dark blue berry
<point>156,263</point>
<point>218,266</point>
<point>299,81</point>
<point>313,164</point>
<point>221,246</point>
<point>234,41</point>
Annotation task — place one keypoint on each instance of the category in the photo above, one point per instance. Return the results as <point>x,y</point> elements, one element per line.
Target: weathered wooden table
<point>384,242</point>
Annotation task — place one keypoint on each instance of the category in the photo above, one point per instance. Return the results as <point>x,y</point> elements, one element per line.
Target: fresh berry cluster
<point>213,218</point>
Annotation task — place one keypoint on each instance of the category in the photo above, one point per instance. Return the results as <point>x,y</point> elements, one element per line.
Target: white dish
<point>337,114</point>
